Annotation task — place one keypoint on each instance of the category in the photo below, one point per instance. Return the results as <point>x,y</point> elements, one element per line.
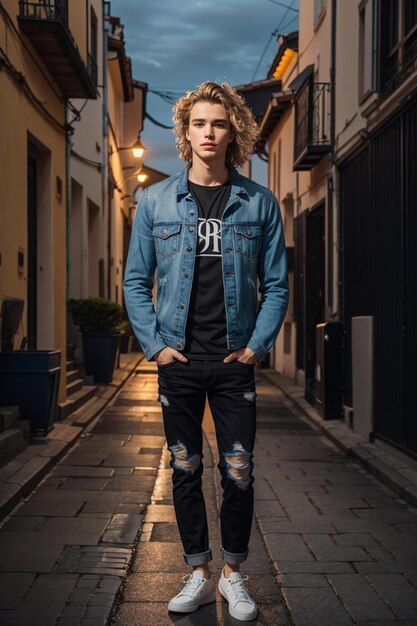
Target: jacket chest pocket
<point>167,239</point>
<point>247,239</point>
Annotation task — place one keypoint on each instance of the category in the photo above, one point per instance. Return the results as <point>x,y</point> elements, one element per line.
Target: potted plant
<point>97,319</point>
<point>126,336</point>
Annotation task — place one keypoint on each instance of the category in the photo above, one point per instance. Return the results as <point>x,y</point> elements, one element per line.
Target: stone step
<point>75,401</point>
<point>74,386</point>
<point>13,441</point>
<point>9,416</point>
<point>72,375</point>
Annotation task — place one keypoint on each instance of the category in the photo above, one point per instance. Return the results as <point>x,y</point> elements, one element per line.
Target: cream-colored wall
<point>19,120</point>
<point>348,118</point>
<point>87,142</point>
<point>299,190</point>
<point>77,22</point>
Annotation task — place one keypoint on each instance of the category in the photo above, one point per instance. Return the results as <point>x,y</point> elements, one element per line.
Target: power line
<point>154,121</point>
<point>274,34</point>
<point>286,6</point>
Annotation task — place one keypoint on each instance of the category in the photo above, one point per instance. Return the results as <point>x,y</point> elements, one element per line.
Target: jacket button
<point>249,233</point>
<point>186,274</point>
<point>192,212</point>
<point>179,345</point>
<point>189,249</point>
<point>182,306</point>
<point>165,232</point>
<point>191,229</point>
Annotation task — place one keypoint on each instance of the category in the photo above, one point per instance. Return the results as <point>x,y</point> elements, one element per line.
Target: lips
<point>209,145</point>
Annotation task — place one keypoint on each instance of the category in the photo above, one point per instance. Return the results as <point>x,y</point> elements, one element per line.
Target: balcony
<point>312,124</point>
<point>45,23</point>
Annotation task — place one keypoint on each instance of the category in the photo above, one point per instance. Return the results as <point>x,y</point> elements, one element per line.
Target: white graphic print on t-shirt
<point>209,237</point>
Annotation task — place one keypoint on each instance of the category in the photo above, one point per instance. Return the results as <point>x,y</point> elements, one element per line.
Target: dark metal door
<point>308,290</point>
<point>32,254</point>
<point>314,272</point>
<point>378,200</point>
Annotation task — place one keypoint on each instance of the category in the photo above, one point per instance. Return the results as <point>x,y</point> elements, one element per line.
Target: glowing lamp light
<point>142,178</point>
<point>138,149</point>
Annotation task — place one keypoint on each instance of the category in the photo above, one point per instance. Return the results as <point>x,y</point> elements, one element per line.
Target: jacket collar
<point>236,182</point>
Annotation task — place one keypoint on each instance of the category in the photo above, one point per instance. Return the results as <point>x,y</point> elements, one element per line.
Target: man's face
<point>209,131</point>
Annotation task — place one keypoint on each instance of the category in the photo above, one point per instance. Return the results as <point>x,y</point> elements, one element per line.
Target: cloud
<point>177,45</point>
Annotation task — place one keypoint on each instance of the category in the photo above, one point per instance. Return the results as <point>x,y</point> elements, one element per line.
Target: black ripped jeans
<point>230,389</point>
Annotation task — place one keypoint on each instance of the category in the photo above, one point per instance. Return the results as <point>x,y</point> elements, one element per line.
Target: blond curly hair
<point>244,127</point>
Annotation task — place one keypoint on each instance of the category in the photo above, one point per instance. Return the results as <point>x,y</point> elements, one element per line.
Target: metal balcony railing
<point>312,124</point>
<point>56,10</point>
<point>45,23</point>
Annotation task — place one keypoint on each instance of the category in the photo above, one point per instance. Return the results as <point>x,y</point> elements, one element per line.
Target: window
<point>367,48</point>
<point>93,34</point>
<point>319,8</point>
<point>397,42</point>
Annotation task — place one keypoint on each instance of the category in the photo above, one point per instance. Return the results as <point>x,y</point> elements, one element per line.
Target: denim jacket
<point>164,238</point>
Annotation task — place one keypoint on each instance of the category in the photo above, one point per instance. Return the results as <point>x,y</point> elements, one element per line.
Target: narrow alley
<point>96,543</point>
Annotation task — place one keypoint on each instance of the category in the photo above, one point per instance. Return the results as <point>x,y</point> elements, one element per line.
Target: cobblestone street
<point>331,545</point>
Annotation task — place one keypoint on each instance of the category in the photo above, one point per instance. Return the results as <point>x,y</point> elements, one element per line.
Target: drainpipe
<point>332,181</point>
<point>68,133</point>
<point>105,171</point>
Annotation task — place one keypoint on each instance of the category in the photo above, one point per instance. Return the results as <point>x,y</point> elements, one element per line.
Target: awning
<point>301,78</point>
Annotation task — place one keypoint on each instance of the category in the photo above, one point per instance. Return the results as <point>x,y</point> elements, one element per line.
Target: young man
<point>211,234</point>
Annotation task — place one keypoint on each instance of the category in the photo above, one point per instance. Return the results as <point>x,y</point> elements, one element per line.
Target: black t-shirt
<point>206,329</point>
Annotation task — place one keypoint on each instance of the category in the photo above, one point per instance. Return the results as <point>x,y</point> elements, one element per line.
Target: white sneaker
<point>198,590</point>
<point>241,605</point>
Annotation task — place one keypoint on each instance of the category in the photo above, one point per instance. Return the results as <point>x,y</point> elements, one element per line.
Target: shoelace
<point>192,584</point>
<point>239,590</point>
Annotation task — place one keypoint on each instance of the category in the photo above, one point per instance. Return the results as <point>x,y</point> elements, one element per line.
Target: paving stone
<point>49,508</point>
<point>283,526</point>
<point>104,561</point>
<point>165,531</point>
<point>29,557</point>
<point>303,580</point>
<point>132,460</point>
<point>123,528</point>
<point>354,539</point>
<point>85,459</point>
<point>316,607</point>
<point>159,557</point>
<point>13,588</point>
<point>24,523</point>
<point>91,496</point>
<point>360,598</point>
<point>130,483</point>
<point>316,567</point>
<point>85,483</point>
<point>113,507</point>
<point>282,547</point>
<point>85,472</point>
<point>397,591</point>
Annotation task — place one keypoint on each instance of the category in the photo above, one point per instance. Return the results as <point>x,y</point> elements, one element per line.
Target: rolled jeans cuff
<point>232,557</point>
<point>198,559</point>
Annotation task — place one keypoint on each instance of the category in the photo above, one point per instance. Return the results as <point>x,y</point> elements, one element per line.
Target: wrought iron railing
<point>312,115</point>
<point>92,70</point>
<point>55,10</point>
<point>398,67</point>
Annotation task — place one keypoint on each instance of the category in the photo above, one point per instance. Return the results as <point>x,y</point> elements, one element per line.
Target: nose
<point>208,131</point>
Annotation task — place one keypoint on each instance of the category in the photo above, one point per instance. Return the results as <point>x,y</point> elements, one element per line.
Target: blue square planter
<point>29,379</point>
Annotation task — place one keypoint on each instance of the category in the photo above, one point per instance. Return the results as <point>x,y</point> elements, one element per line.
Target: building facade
<point>340,135</point>
<point>70,112</point>
<point>45,60</point>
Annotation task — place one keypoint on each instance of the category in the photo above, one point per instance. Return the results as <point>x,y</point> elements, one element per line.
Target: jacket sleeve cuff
<point>257,348</point>
<point>154,347</point>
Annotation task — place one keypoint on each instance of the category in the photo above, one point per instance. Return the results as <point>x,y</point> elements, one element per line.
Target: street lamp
<point>138,149</point>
